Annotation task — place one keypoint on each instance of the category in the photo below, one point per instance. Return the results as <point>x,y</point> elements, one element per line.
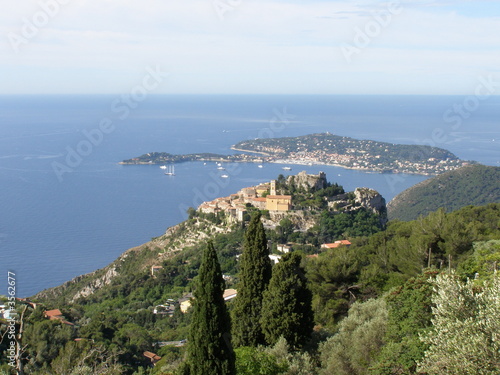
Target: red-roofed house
<point>152,357</point>
<point>54,314</point>
<point>336,244</point>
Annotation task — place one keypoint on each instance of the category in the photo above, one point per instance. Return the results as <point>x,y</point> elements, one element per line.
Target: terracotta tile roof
<point>330,245</point>
<point>336,244</point>
<point>343,242</point>
<point>53,313</point>
<point>152,356</point>
<point>259,199</point>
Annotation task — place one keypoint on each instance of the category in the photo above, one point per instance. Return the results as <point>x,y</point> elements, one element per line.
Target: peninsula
<point>327,149</point>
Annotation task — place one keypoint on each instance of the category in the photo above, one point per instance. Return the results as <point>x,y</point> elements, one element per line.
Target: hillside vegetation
<point>469,185</point>
<point>367,308</point>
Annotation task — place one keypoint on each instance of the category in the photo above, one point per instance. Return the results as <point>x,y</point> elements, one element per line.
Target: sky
<point>416,47</point>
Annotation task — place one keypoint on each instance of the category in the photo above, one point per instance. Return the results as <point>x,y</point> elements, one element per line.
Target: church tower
<point>273,188</point>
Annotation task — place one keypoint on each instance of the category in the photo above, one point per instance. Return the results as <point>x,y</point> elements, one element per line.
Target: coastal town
<point>326,149</point>
<point>346,152</point>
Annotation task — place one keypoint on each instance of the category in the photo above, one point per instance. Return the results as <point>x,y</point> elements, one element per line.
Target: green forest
<point>473,184</point>
<point>415,297</point>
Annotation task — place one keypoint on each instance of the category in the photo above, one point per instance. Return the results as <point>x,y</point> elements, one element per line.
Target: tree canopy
<point>210,350</point>
<point>255,273</point>
<point>286,306</point>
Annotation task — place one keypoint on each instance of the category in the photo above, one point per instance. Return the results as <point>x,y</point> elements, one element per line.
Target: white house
<point>275,258</point>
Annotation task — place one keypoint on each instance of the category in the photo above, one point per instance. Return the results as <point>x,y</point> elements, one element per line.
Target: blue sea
<point>68,207</point>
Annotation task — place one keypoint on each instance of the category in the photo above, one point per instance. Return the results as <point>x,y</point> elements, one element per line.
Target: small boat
<point>260,166</point>
<point>224,176</point>
<point>287,168</point>
<point>163,167</point>
<point>221,168</point>
<point>170,171</point>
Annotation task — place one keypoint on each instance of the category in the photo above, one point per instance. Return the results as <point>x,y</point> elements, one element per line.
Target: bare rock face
<point>300,219</point>
<point>371,200</point>
<point>96,284</point>
<point>90,283</point>
<point>308,181</point>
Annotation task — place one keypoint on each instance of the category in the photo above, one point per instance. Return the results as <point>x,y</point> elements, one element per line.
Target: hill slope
<point>470,185</point>
<point>317,203</point>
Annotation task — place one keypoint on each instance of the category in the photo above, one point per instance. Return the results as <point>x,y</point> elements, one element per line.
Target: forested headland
<point>473,184</point>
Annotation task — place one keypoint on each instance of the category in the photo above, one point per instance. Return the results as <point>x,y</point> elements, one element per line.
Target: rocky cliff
<point>371,200</point>
<point>308,182</point>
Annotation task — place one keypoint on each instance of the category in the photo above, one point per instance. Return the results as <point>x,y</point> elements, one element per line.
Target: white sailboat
<point>170,171</point>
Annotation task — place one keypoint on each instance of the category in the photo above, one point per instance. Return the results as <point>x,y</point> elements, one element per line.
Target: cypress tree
<point>286,308</point>
<point>209,345</point>
<point>255,273</point>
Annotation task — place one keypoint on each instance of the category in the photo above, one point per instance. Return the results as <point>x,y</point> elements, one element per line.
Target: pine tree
<point>286,307</point>
<point>209,345</point>
<point>255,273</point>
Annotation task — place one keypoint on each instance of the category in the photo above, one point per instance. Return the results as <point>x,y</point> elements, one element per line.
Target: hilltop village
<point>263,197</point>
<point>270,198</point>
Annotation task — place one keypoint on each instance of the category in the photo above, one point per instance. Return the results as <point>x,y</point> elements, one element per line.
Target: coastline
<point>250,152</point>
<point>324,149</point>
<point>290,162</point>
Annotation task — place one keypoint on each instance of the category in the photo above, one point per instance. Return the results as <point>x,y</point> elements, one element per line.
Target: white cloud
<point>258,46</point>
